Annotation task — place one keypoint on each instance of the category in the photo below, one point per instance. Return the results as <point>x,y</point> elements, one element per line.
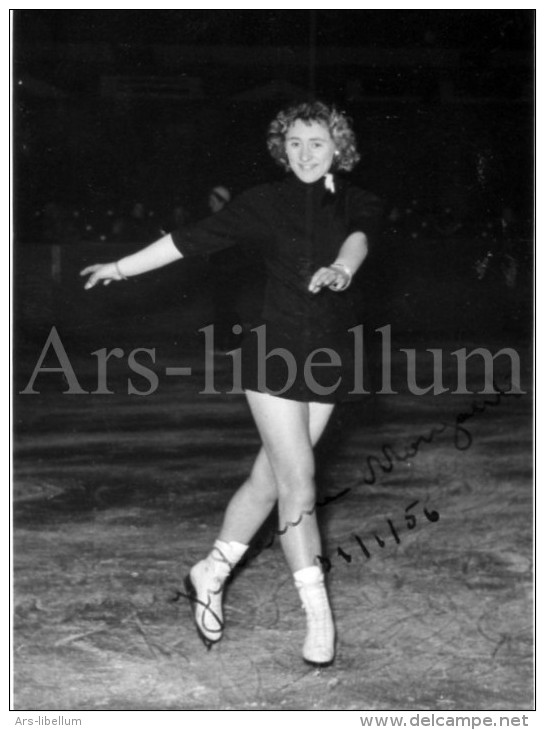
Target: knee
<point>261,480</point>
<point>296,486</point>
<point>263,490</point>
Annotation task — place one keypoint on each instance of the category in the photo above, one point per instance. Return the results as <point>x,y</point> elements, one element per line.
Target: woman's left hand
<point>333,278</point>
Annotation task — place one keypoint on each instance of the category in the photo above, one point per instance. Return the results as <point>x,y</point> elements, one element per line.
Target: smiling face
<point>310,150</point>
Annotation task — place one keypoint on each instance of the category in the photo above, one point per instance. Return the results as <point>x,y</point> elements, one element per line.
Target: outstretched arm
<point>157,254</point>
<point>338,275</point>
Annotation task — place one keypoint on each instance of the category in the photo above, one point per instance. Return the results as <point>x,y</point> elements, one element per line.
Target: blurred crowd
<point>482,244</point>
<point>136,223</point>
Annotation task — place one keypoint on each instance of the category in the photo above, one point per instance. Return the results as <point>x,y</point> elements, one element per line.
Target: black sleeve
<point>242,222</point>
<point>364,213</point>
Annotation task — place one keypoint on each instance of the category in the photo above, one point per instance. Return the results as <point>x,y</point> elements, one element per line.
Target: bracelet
<point>121,275</point>
<point>344,268</point>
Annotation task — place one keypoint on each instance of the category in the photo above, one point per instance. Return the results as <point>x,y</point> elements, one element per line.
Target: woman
<point>313,231</point>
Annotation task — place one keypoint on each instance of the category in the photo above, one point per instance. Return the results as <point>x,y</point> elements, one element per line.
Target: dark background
<point>114,107</point>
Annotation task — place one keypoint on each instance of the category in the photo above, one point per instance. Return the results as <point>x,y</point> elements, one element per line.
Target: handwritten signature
<point>462,439</point>
<point>324,560</point>
<point>391,455</point>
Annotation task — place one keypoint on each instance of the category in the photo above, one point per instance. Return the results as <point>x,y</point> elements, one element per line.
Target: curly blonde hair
<point>338,124</point>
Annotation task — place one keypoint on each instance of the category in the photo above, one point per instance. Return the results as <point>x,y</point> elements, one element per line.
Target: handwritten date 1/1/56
<point>410,523</point>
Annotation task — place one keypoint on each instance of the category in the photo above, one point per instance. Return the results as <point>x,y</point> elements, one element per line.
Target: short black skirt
<point>308,366</point>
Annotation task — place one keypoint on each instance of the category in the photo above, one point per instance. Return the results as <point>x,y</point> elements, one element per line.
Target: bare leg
<point>285,428</point>
<point>283,470</point>
<point>252,503</point>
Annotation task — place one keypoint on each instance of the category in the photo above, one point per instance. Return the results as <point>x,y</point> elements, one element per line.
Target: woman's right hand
<point>104,273</point>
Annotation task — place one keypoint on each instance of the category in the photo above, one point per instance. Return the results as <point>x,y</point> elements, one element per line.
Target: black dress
<point>298,228</point>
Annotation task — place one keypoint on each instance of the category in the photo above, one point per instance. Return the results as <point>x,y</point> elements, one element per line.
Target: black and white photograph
<point>272,341</point>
